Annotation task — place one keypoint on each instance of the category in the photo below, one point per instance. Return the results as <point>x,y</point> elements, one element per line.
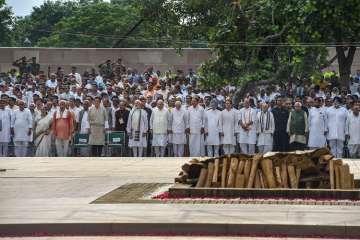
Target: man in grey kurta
<point>98,121</point>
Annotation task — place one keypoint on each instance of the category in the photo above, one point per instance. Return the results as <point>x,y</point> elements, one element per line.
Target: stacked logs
<point>316,169</point>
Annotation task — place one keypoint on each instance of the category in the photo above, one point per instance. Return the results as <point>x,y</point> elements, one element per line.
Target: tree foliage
<point>6,20</point>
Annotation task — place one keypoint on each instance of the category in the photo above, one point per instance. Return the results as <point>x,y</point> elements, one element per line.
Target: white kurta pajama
<point>137,124</point>
<point>229,122</point>
<point>5,125</point>
<point>336,118</point>
<point>195,124</point>
<point>212,126</point>
<point>247,139</point>
<point>317,128</point>
<point>21,122</point>
<point>178,122</point>
<point>265,129</point>
<point>352,129</point>
<point>159,124</point>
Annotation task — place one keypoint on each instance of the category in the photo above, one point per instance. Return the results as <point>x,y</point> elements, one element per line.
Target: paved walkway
<point>58,191</point>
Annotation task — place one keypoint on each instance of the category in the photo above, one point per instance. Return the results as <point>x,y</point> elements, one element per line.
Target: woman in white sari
<point>42,134</point>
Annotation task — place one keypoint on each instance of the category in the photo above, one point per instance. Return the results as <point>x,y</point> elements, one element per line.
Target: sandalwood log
<point>284,175</point>
<point>247,169</point>
<point>345,180</point>
<point>337,177</point>
<point>216,171</point>
<point>209,174</point>
<point>232,172</point>
<point>240,181</point>
<point>332,174</point>
<point>223,173</point>
<point>253,169</point>
<point>241,166</point>
<point>292,176</point>
<point>266,165</point>
<point>298,173</point>
<point>262,180</point>
<point>257,179</point>
<point>202,178</point>
<point>278,177</point>
<point>352,180</point>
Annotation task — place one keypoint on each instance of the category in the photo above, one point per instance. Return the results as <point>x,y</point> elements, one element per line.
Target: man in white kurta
<point>212,125</point>
<point>228,121</point>
<point>336,117</point>
<point>247,128</point>
<point>265,129</point>
<point>5,124</point>
<point>137,127</point>
<point>159,125</point>
<point>195,128</point>
<point>177,122</point>
<point>22,127</point>
<point>317,126</point>
<point>352,131</point>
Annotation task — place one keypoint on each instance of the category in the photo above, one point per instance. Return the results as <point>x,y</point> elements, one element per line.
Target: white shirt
<point>5,118</point>
<point>336,123</point>
<point>21,122</point>
<point>51,84</point>
<point>195,119</point>
<point>353,128</point>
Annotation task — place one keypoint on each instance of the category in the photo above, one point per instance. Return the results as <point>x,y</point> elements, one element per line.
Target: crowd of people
<point>170,113</point>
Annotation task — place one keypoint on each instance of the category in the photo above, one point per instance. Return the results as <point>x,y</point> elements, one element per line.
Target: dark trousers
<point>96,150</point>
<point>281,141</point>
<point>297,146</point>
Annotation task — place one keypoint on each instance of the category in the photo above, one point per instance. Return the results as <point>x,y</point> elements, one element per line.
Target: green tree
<point>40,23</point>
<point>6,19</point>
<point>336,22</point>
<point>101,24</point>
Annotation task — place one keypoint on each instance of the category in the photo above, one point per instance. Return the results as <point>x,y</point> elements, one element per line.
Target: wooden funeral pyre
<point>316,169</point>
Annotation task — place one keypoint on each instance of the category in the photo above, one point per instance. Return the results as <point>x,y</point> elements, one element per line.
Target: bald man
<point>159,126</point>
<point>21,127</point>
<point>297,127</point>
<point>178,121</point>
<point>265,129</point>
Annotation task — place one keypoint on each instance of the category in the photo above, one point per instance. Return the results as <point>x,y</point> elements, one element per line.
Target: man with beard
<point>281,115</point>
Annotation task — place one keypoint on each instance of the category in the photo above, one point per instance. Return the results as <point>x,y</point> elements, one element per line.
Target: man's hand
<point>170,131</point>
<point>144,134</point>
<point>202,130</point>
<point>187,130</point>
<point>29,132</point>
<point>12,131</point>
<point>221,134</point>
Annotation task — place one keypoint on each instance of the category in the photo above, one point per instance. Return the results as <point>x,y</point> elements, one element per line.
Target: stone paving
<point>60,190</point>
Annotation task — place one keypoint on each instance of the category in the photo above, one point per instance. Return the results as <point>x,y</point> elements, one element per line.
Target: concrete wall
<point>85,58</point>
<point>139,58</point>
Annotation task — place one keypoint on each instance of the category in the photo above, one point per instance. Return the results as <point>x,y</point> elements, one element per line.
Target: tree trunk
<point>345,63</point>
